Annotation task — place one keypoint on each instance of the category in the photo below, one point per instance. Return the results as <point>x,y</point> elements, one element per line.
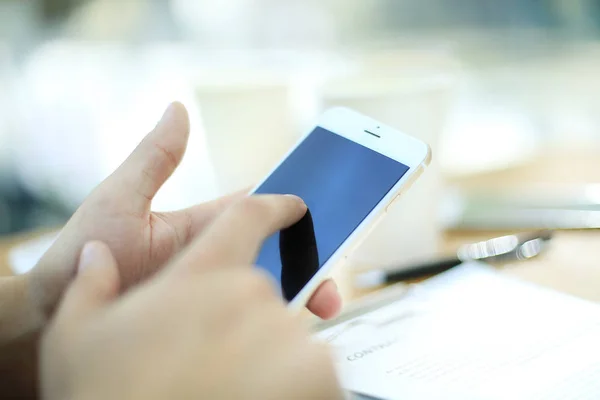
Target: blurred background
<point>506,92</point>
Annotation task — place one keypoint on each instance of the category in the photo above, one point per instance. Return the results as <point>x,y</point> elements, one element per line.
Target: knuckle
<point>245,292</point>
<point>254,284</point>
<point>158,153</point>
<point>253,207</point>
<point>250,285</point>
<point>165,156</point>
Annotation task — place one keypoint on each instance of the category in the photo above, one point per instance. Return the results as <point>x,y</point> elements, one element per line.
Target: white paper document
<point>473,333</point>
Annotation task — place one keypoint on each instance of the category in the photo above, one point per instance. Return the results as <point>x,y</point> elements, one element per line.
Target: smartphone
<point>349,169</point>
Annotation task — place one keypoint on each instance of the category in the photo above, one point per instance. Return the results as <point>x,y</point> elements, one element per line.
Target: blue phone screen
<point>340,181</point>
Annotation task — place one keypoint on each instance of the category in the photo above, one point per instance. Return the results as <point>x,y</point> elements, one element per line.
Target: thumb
<point>95,286</point>
<point>152,162</point>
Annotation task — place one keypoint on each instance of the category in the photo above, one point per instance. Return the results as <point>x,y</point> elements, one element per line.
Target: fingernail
<point>168,115</point>
<point>90,253</point>
<point>297,199</point>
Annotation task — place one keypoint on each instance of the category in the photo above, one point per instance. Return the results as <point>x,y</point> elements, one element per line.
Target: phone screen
<point>341,182</point>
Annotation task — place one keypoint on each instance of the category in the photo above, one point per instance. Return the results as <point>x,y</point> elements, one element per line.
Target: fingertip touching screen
<point>341,182</point>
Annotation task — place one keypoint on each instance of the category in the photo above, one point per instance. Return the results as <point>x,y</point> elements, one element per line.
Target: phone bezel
<point>387,141</point>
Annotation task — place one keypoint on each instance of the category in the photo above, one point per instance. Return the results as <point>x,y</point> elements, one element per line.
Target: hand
<point>210,325</point>
<point>118,213</point>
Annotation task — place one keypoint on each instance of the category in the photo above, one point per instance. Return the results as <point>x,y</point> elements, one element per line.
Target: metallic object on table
<point>510,247</point>
<point>501,249</point>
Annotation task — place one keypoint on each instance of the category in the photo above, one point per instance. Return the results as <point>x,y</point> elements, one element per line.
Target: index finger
<point>235,237</point>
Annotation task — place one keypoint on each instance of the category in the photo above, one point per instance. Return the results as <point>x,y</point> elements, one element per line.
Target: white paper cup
<point>417,105</point>
<point>248,128</point>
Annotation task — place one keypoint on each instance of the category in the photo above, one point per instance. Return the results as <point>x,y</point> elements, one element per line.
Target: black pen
<point>505,248</point>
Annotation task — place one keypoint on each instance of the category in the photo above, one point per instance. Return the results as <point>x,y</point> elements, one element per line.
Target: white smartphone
<point>349,169</point>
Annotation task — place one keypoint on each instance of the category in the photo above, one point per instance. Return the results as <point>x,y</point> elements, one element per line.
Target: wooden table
<point>571,264</point>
